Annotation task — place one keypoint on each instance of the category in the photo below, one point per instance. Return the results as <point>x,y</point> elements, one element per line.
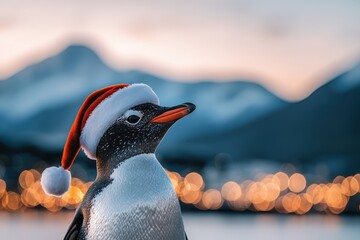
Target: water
<point>199,226</point>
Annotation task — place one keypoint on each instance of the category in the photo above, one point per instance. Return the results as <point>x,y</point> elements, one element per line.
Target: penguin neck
<point>105,165</point>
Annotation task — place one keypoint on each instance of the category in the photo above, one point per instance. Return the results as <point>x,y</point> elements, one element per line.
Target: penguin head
<point>139,130</point>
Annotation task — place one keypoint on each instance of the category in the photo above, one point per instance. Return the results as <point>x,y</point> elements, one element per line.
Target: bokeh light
<point>269,192</point>
<point>283,180</point>
<point>231,191</point>
<point>297,182</point>
<point>212,199</point>
<point>2,187</point>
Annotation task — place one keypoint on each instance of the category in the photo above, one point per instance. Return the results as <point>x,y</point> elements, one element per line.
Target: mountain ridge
<point>33,100</point>
<point>323,125</point>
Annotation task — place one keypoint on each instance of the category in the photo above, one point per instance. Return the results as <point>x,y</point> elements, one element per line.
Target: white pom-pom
<point>55,181</point>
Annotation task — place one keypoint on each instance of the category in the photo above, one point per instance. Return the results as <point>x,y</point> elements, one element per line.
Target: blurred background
<point>273,149</point>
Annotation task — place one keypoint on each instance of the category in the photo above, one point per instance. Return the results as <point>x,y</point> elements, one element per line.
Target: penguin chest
<point>140,203</point>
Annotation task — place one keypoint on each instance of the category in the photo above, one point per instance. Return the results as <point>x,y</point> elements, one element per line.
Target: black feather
<point>75,227</point>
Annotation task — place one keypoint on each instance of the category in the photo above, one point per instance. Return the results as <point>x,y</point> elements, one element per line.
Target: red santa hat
<point>98,112</point>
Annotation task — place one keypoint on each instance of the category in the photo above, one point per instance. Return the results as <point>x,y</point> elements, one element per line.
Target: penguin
<point>132,197</point>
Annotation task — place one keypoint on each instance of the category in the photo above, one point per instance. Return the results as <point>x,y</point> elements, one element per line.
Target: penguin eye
<point>132,117</point>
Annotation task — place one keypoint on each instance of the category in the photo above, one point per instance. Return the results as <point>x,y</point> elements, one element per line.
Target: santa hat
<point>98,112</point>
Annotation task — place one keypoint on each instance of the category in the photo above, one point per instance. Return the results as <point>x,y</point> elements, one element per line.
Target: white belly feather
<point>140,203</point>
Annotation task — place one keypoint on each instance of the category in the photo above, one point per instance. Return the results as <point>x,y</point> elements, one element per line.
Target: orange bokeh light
<point>283,179</point>
<point>26,179</point>
<point>194,180</point>
<point>13,201</point>
<point>297,182</point>
<point>231,191</point>
<point>2,187</point>
<point>350,186</point>
<point>291,202</point>
<point>305,204</point>
<point>212,199</point>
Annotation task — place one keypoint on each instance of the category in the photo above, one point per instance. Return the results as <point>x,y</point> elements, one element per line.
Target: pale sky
<point>291,47</point>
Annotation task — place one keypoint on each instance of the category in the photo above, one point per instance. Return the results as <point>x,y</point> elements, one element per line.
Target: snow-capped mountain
<point>38,104</point>
<point>325,127</point>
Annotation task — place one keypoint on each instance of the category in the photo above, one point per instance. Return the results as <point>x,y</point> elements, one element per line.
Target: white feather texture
<point>55,181</point>
<point>139,204</point>
<point>110,109</point>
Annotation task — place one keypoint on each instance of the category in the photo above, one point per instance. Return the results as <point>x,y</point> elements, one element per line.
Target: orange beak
<point>174,113</point>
